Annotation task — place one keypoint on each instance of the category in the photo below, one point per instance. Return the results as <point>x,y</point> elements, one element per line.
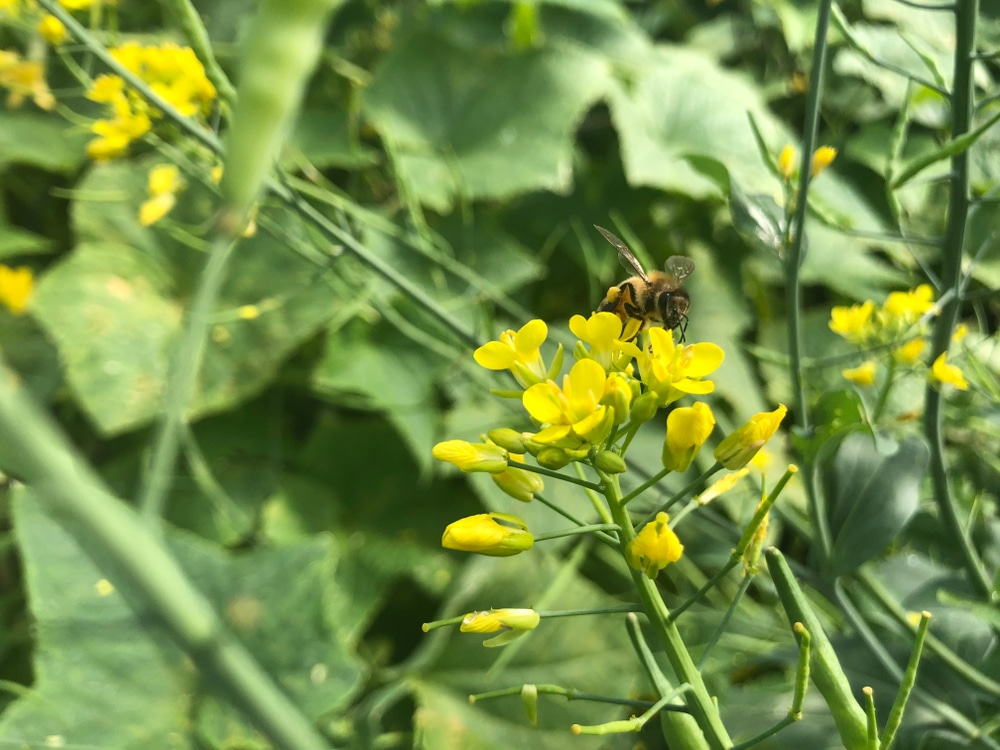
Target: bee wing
<point>624,254</point>
<point>679,267</point>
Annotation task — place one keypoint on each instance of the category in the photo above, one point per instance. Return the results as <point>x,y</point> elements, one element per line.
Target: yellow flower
<point>737,448</point>
<point>721,485</point>
<point>484,535</point>
<point>688,427</point>
<point>511,623</point>
<point>786,163</point>
<point>24,78</point>
<point>82,4</point>
<point>114,136</point>
<point>960,332</point>
<point>863,374</point>
<point>909,352</point>
<point>942,372</point>
<point>164,182</point>
<point>673,370</point>
<point>654,547</point>
<point>909,306</point>
<point>822,158</point>
<point>519,484</point>
<point>472,456</point>
<point>107,89</point>
<point>603,332</point>
<point>618,395</point>
<point>15,288</point>
<point>854,323</point>
<point>572,414</point>
<point>52,29</point>
<point>518,352</point>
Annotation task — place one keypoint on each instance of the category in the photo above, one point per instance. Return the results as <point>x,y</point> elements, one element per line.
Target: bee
<point>656,298</point>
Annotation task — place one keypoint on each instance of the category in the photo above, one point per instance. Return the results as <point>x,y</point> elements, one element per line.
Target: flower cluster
<point>899,326</point>
<point>589,416</point>
<point>24,79</point>
<point>172,72</point>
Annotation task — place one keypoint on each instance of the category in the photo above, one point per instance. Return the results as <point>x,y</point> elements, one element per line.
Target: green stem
<point>591,611</point>
<point>601,536</point>
<point>962,102</point>
<point>570,694</point>
<point>883,395</point>
<point>645,486</point>
<point>588,529</point>
<point>909,680</point>
<point>702,705</point>
<point>691,487</point>
<point>730,611</point>
<point>133,558</point>
<point>872,724</point>
<point>184,371</point>
<point>559,475</point>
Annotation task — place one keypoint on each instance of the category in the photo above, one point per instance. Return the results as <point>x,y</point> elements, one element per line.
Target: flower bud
<point>740,446</point>
<point>609,462</point>
<point>786,163</point>
<point>688,427</point>
<point>529,699</point>
<point>822,158</point>
<point>552,458</point>
<point>519,484</point>
<point>471,456</point>
<point>484,535</point>
<point>654,547</point>
<point>513,622</point>
<point>618,395</point>
<point>644,408</point>
<point>508,439</point>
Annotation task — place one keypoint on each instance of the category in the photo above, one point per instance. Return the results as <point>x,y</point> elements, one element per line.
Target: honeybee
<point>654,298</point>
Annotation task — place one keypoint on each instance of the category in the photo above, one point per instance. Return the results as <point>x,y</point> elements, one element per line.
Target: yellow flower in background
<point>172,72</point>
<point>603,332</point>
<point>164,182</point>
<point>673,370</point>
<point>574,413</point>
<point>52,30</point>
<point>960,332</point>
<point>654,547</point>
<point>688,427</point>
<point>737,448</point>
<point>83,4</point>
<point>909,306</point>
<point>854,323</point>
<point>822,158</point>
<point>24,79</point>
<point>485,535</point>
<point>472,456</point>
<point>942,372</point>
<point>786,162</point>
<point>721,485</point>
<point>909,352</point>
<point>863,374</point>
<point>518,352</point>
<point>16,285</point>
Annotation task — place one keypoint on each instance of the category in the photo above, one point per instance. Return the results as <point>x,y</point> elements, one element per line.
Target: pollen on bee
<point>613,294</point>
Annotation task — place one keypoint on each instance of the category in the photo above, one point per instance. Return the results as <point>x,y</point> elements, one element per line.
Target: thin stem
<point>966,13</point>
<point>730,611</point>
<point>592,611</point>
<point>710,583</point>
<point>601,536</point>
<point>702,705</point>
<point>576,530</point>
<point>687,490</point>
<point>909,680</point>
<point>559,475</point>
<point>883,394</point>
<point>645,486</point>
<point>570,694</point>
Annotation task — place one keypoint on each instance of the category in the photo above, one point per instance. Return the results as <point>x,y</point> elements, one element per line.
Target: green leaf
<point>479,122</point>
<point>758,220</point>
<point>114,305</point>
<point>871,492</point>
<point>91,644</point>
<point>43,141</point>
<point>327,138</point>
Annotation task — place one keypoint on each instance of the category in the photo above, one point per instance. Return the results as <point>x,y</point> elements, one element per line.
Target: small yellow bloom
<point>673,370</point>
<point>106,89</point>
<point>164,182</point>
<point>155,208</point>
<point>484,535</point>
<point>573,413</point>
<point>16,285</point>
<point>654,547</point>
<point>909,352</point>
<point>23,79</point>
<point>942,372</point>
<point>854,322</point>
<point>822,158</point>
<point>81,4</point>
<point>52,30</point>
<point>721,485</point>
<point>909,306</point>
<point>737,448</point>
<point>510,622</point>
<point>687,430</point>
<point>863,374</point>
<point>518,352</point>
<point>472,456</point>
<point>786,163</point>
<point>603,332</point>
<point>960,332</point>
<point>248,312</point>
<point>519,484</point>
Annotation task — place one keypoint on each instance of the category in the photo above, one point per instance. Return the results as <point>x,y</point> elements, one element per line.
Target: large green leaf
<point>108,677</point>
<point>47,142</point>
<point>871,490</point>
<point>479,121</point>
<point>114,306</point>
